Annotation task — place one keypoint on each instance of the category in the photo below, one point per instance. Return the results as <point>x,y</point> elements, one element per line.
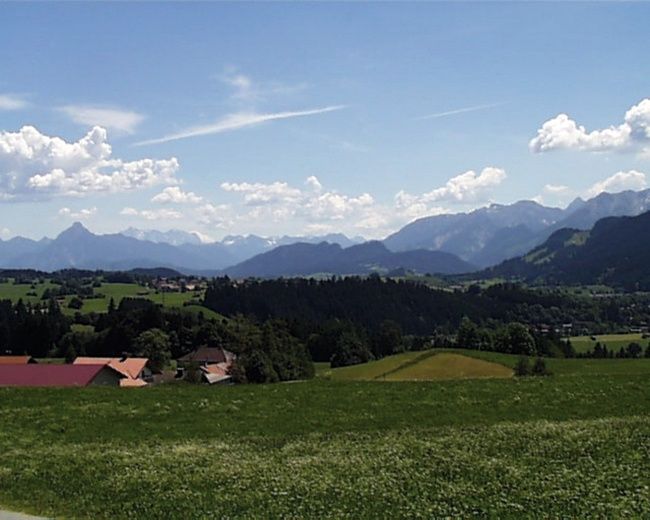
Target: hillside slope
<point>308,259</point>
<point>615,252</point>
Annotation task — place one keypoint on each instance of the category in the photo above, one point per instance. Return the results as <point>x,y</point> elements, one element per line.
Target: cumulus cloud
<point>237,121</point>
<point>562,132</point>
<point>78,215</point>
<point>12,102</point>
<point>5,232</point>
<point>34,164</point>
<point>125,121</point>
<point>467,188</point>
<point>259,193</point>
<point>158,214</point>
<point>620,181</point>
<point>175,195</point>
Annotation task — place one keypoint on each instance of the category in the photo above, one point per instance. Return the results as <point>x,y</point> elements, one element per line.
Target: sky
<point>310,118</point>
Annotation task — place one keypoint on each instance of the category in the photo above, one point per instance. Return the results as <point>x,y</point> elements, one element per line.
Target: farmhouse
<point>135,371</point>
<point>59,375</point>
<point>207,356</point>
<point>16,360</point>
<point>215,363</point>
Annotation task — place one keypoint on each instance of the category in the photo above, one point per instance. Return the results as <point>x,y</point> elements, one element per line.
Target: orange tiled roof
<point>15,360</point>
<point>130,367</point>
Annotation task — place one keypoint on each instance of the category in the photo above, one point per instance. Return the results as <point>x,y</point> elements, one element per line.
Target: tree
<point>520,339</point>
<point>349,350</point>
<point>468,336</point>
<point>388,340</point>
<point>75,303</point>
<point>155,345</point>
<point>634,350</point>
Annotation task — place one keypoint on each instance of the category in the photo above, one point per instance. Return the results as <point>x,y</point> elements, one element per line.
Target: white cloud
<point>313,183</point>
<point>158,214</point>
<point>175,195</point>
<point>562,132</point>
<point>466,188</point>
<point>5,232</point>
<point>318,209</point>
<point>260,194</point>
<point>248,91</point>
<point>620,181</point>
<point>125,121</point>
<point>556,189</point>
<point>220,216</point>
<point>237,121</point>
<point>78,215</point>
<point>12,102</point>
<point>33,164</point>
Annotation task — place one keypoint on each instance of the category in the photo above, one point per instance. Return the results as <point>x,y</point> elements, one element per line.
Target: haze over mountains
<point>447,244</point>
<point>487,236</point>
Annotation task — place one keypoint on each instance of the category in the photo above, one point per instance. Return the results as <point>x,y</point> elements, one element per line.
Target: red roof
<point>48,375</point>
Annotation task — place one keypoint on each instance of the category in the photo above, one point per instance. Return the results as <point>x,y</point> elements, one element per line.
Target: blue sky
<point>309,118</point>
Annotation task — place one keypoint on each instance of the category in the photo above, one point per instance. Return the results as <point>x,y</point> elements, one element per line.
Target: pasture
<point>612,341</point>
<point>552,447</point>
<point>117,291</point>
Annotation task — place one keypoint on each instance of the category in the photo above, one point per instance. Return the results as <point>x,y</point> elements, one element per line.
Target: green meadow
<point>117,291</point>
<point>612,341</point>
<point>572,445</point>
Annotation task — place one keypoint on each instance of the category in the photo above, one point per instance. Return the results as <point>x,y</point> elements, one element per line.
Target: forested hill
<point>307,259</point>
<point>615,252</point>
<point>367,302</point>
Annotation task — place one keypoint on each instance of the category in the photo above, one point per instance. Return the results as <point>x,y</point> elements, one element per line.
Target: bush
<point>522,368</point>
<point>539,368</point>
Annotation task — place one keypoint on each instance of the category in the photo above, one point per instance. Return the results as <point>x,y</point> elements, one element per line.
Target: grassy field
<point>117,291</point>
<point>372,369</point>
<point>419,366</point>
<point>449,366</point>
<point>13,292</point>
<point>504,448</point>
<point>612,341</point>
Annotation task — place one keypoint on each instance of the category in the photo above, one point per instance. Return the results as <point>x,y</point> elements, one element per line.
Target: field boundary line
<point>425,355</point>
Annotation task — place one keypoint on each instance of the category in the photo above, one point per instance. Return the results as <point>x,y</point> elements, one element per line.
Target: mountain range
<point>490,235</point>
<point>79,248</point>
<point>462,242</point>
<point>615,252</point>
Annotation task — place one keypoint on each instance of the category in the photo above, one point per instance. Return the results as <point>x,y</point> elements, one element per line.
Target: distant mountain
<point>615,252</point>
<point>490,235</point>
<point>79,248</point>
<point>19,246</point>
<point>468,235</point>
<point>304,259</point>
<point>174,237</point>
<point>76,247</point>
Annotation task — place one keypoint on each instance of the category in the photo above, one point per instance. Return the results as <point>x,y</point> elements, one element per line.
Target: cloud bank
<point>34,165</point>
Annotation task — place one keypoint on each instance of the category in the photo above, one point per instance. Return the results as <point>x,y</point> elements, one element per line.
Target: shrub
<point>539,368</point>
<point>522,368</point>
